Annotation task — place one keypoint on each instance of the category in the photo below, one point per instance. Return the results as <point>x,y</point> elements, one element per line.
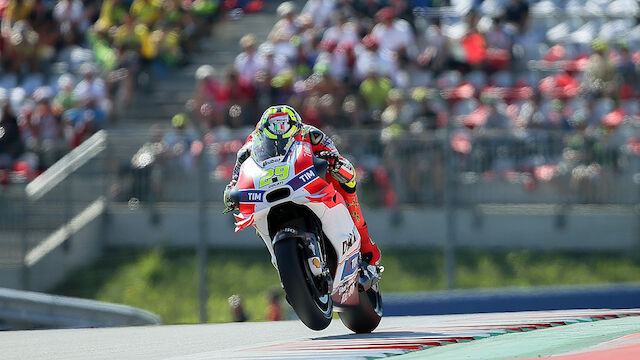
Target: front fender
<point>286,233</point>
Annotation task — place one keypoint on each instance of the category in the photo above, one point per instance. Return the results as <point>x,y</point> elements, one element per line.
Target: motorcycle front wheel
<point>308,295</point>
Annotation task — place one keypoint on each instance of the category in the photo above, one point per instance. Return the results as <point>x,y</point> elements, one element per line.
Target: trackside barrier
<point>68,164</point>
<point>610,296</point>
<point>25,309</point>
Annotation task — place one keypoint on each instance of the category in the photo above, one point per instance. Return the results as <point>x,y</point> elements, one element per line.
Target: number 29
<point>280,172</point>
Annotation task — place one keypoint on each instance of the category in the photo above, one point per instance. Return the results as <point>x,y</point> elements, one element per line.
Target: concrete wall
<point>602,228</point>
<point>79,249</point>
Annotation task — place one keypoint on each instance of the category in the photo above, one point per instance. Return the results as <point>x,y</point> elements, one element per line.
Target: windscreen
<point>265,148</point>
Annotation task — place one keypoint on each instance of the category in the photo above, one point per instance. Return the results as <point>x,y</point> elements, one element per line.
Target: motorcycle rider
<point>283,120</point>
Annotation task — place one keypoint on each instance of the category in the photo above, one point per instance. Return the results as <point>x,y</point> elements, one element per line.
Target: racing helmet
<point>277,128</point>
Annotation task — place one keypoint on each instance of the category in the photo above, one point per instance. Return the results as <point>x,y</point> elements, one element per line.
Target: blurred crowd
<point>407,69</point>
<point>69,66</point>
<point>384,63</point>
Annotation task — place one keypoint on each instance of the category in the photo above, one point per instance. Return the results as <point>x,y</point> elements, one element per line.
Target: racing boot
<point>369,275</point>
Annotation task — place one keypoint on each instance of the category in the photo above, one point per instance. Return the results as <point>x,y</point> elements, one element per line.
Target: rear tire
<point>365,317</point>
<point>301,288</point>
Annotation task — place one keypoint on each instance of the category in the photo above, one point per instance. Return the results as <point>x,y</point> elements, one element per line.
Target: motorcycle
<point>304,222</point>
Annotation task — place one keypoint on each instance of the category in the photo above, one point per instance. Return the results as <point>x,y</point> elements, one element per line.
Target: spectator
<point>334,59</point>
<point>498,46</point>
<point>368,56</point>
<point>91,93</point>
<point>436,53</point>
<point>10,141</point>
<point>398,113</point>
<point>342,32</point>
<point>48,127</point>
<point>474,44</point>
<point>65,99</point>
<point>375,89</point>
<point>284,30</point>
<point>112,12</point>
<point>237,310</point>
<point>248,62</point>
<point>600,76</point>
<point>517,13</point>
<point>625,66</point>
<point>207,104</point>
<point>425,111</point>
<point>70,15</point>
<point>319,11</point>
<point>178,144</point>
<point>282,87</point>
<point>147,11</point>
<point>274,312</point>
<point>394,36</point>
<point>496,118</point>
<point>272,63</point>
<point>22,46</point>
<point>125,35</point>
<point>239,92</point>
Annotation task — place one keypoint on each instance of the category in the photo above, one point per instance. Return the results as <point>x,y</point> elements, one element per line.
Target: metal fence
<point>394,171</point>
<point>31,213</point>
<point>533,167</point>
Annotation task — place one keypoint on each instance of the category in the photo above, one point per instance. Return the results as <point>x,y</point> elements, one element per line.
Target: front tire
<point>365,317</point>
<point>307,295</point>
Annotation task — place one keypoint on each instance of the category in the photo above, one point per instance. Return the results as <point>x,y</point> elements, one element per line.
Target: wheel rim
<point>321,298</point>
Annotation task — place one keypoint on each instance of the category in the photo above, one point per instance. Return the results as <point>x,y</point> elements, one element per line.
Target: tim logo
<point>302,179</point>
<point>251,196</point>
<point>307,175</point>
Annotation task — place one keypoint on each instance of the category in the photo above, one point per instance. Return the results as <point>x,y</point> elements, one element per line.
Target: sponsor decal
<point>350,266</point>
<point>307,151</point>
<point>347,243</point>
<point>303,178</point>
<point>251,196</point>
<point>290,230</point>
<point>272,160</point>
<point>346,290</point>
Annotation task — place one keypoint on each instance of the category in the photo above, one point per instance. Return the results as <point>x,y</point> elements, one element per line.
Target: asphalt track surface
<point>286,339</point>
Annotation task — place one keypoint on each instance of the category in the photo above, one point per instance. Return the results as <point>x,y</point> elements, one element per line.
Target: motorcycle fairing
<point>309,189</point>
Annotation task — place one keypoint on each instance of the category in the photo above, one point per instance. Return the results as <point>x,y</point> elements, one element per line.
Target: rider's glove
<point>331,158</point>
<point>340,168</point>
<point>228,202</point>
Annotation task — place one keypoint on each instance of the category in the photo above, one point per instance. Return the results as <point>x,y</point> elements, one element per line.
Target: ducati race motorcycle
<point>305,224</point>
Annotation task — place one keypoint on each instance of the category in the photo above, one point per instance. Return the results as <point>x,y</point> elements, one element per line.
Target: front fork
<point>313,251</point>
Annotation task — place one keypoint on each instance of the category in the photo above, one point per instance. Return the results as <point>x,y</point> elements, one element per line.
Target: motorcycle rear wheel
<point>365,317</point>
<point>311,302</point>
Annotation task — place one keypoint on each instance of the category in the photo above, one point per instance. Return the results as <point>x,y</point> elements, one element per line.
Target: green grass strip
<point>164,280</point>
